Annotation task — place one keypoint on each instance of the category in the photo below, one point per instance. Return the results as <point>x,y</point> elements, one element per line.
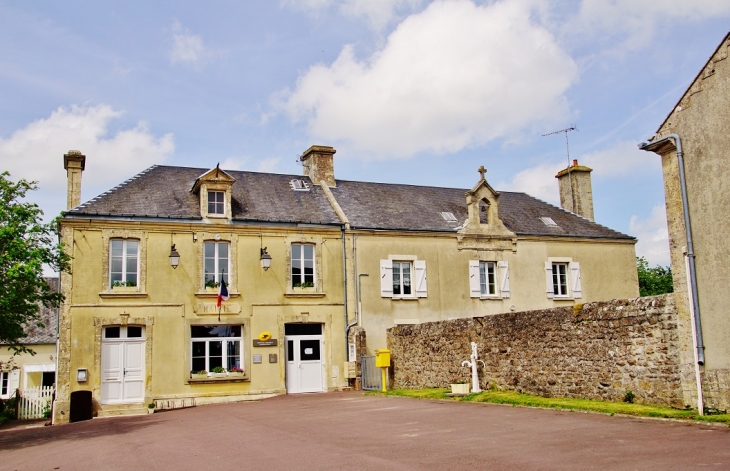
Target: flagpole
<point>220,303</point>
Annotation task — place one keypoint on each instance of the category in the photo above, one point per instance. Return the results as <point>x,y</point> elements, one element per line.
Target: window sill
<point>211,294</point>
<point>122,294</point>
<point>490,298</point>
<point>404,298</point>
<point>226,379</point>
<point>563,298</point>
<point>304,294</point>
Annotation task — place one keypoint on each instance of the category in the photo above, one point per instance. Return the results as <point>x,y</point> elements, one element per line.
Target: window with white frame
<point>4,383</point>
<point>403,278</point>
<point>302,265</point>
<point>216,202</point>
<point>489,279</point>
<point>124,262</point>
<point>216,260</point>
<point>215,347</point>
<point>562,279</point>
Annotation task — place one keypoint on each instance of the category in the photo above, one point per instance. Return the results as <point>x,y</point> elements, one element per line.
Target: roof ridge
<point>118,187</point>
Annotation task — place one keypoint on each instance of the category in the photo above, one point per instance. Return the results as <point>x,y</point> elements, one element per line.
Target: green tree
<point>26,244</point>
<point>653,281</point>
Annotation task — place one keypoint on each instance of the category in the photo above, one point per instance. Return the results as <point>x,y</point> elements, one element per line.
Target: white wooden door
<point>122,371</point>
<point>304,365</point>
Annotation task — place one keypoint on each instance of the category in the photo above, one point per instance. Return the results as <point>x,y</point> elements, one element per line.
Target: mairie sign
<point>211,308</point>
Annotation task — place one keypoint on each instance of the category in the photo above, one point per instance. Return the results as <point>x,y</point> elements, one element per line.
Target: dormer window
<point>299,185</point>
<point>214,189</point>
<point>216,202</point>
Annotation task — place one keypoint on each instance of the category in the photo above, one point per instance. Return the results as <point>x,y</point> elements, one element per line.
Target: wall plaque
<point>265,343</point>
<point>257,358</point>
<point>273,357</point>
<point>212,309</point>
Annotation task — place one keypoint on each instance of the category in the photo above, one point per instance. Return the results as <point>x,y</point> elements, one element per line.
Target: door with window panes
<point>122,364</point>
<point>304,365</point>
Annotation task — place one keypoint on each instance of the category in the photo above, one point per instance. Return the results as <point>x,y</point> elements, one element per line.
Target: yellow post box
<point>382,361</point>
<point>382,358</point>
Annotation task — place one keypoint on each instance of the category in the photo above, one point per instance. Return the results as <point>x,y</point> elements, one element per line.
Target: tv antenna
<point>572,127</point>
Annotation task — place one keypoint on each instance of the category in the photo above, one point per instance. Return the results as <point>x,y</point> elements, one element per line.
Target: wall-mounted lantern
<point>265,259</point>
<point>174,257</point>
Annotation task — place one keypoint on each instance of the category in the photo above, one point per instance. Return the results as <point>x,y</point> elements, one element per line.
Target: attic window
<point>449,217</point>
<point>548,221</point>
<point>299,185</point>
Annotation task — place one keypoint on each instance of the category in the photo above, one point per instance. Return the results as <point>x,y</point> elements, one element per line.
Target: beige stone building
<point>306,258</point>
<point>32,370</point>
<point>694,145</point>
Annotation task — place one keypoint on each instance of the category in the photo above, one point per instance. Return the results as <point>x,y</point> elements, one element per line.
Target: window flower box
<point>199,374</point>
<point>460,388</point>
<point>235,374</point>
<point>124,289</point>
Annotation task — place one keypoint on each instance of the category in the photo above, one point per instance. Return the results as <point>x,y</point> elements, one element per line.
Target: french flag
<point>222,293</point>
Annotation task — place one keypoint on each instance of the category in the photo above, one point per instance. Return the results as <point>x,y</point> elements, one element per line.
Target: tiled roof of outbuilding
<point>163,191</point>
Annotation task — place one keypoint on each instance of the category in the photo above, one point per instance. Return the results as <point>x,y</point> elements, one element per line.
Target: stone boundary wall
<point>596,351</point>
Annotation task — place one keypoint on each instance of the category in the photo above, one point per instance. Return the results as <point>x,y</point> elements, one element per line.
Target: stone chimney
<point>74,162</point>
<point>576,194</point>
<point>318,162</point>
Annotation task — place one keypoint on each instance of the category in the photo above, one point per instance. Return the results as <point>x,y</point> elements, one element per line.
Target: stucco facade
<point>345,257</point>
<point>701,119</point>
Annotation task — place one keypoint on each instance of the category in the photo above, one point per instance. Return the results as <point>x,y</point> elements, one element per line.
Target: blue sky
<point>407,91</point>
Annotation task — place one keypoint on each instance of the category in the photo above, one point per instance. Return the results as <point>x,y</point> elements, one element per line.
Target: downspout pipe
<point>344,286</point>
<point>651,146</point>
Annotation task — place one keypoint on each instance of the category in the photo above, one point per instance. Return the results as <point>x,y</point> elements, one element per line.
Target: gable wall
<point>702,120</point>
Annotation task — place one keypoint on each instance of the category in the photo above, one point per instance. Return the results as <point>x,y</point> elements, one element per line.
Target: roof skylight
<point>548,221</point>
<point>448,217</point>
<point>299,185</point>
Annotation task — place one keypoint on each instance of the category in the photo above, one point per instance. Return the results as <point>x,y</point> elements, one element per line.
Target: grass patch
<point>516,399</point>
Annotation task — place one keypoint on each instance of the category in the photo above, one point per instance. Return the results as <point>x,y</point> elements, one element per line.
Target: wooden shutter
<point>474,282</point>
<point>14,381</point>
<point>421,289</point>
<point>504,278</point>
<point>549,279</point>
<point>575,278</point>
<point>386,278</point>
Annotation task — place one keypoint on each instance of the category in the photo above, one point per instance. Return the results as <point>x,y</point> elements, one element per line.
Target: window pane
<point>198,364</point>
<point>111,332</point>
<point>116,277</point>
<point>222,250</point>
<point>132,246</point>
<point>214,362</point>
<point>303,329</point>
<point>309,350</point>
<point>209,249</point>
<point>209,269</point>
<point>492,278</point>
<point>406,268</point>
<point>212,331</point>
<point>198,349</point>
<point>233,352</point>
<point>482,278</point>
<point>117,248</point>
<point>396,278</point>
<point>134,332</point>
<point>116,265</point>
<point>309,252</point>
<point>296,252</point>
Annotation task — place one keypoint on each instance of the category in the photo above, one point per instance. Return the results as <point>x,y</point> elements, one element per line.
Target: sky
<point>408,91</point>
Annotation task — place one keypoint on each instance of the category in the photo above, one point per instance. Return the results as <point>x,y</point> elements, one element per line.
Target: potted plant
<point>124,286</point>
<point>202,374</point>
<point>151,408</point>
<point>235,372</point>
<point>211,286</point>
<point>218,372</point>
<point>459,386</point>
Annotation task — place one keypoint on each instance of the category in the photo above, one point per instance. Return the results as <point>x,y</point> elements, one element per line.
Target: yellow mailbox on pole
<point>382,361</point>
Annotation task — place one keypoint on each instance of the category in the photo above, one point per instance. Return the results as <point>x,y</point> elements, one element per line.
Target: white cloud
<point>377,13</point>
<point>453,76</point>
<point>633,23</point>
<point>653,236</point>
<point>538,181</point>
<point>187,48</point>
<point>35,152</point>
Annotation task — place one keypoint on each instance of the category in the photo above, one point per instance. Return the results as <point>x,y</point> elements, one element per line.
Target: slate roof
<point>164,192</point>
<point>49,316</point>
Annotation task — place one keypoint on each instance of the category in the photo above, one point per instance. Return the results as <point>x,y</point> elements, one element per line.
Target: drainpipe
<point>344,284</point>
<point>692,272</point>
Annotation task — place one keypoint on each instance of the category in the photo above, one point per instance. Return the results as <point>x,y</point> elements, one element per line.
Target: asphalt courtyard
<point>353,431</point>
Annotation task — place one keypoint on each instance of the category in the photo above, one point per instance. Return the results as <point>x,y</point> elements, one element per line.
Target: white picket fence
<point>34,401</point>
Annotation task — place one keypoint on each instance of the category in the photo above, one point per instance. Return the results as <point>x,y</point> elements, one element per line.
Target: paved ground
<point>356,432</point>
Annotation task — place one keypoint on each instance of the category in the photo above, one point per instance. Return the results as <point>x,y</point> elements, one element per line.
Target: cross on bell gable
<point>482,170</point>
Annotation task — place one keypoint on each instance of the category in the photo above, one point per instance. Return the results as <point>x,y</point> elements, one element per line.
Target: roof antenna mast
<point>572,127</point>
